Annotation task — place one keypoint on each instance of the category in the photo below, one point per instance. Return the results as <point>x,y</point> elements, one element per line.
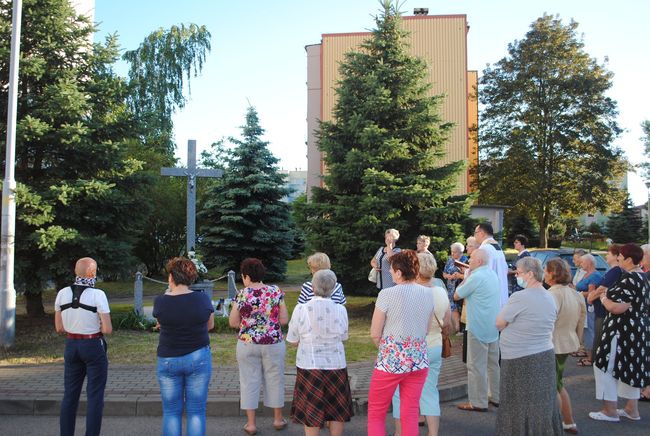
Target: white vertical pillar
<point>7,243</point>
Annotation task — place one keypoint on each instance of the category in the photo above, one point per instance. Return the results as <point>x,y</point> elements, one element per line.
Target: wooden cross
<point>191,172</point>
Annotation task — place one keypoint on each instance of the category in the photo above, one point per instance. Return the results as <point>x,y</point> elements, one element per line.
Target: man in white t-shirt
<point>81,312</point>
<point>497,262</point>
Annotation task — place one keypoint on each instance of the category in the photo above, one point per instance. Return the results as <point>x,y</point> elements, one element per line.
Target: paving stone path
<point>133,389</point>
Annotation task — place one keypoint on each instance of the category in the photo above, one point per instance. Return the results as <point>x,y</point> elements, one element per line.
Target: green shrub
<point>132,321</point>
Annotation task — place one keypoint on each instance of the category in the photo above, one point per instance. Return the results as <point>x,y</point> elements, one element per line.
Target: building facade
<point>441,41</point>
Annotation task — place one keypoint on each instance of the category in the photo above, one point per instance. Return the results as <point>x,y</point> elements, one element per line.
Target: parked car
<point>545,254</point>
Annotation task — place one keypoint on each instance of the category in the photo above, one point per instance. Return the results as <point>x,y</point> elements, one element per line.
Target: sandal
<point>623,414</point>
<point>600,416</point>
<point>251,432</point>
<point>579,354</point>
<point>570,428</point>
<point>584,362</point>
<point>468,407</point>
<point>282,426</point>
<point>644,398</point>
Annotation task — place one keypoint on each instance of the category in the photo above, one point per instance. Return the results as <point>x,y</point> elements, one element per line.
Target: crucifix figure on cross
<point>191,172</point>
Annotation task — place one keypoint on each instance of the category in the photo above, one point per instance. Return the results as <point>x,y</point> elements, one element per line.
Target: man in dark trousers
<point>82,314</point>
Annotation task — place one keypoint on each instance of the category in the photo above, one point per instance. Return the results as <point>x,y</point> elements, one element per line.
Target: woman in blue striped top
<point>317,262</point>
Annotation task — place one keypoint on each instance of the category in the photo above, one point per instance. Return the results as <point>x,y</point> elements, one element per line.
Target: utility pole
<point>7,243</point>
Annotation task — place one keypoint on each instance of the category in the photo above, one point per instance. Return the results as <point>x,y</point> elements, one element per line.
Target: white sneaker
<point>622,413</point>
<point>600,416</point>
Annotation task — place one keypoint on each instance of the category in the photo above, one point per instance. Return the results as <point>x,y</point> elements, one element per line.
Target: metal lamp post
<point>7,243</point>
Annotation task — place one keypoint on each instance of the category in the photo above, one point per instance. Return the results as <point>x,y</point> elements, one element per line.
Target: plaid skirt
<point>320,396</point>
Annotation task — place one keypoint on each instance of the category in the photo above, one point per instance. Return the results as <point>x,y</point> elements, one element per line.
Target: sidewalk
<point>132,390</point>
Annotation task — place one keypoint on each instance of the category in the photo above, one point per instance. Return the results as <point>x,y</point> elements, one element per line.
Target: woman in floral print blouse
<point>403,315</point>
<point>259,312</point>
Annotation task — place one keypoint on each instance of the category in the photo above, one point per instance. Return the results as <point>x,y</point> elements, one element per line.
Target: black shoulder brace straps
<point>77,290</point>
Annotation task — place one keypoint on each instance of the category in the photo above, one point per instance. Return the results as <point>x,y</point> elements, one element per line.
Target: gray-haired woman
<point>380,261</point>
<point>528,395</point>
<point>322,391</point>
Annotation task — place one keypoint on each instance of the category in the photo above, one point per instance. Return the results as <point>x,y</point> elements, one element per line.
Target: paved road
<point>454,422</point>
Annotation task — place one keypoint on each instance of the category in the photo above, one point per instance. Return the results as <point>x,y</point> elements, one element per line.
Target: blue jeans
<point>83,357</point>
<point>184,383</point>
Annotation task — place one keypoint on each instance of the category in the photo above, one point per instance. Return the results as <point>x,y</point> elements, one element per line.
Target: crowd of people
<point>516,339</point>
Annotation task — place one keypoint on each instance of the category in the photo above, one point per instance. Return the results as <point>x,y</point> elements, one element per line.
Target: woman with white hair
<point>322,390</point>
<point>588,282</point>
<point>381,260</point>
<point>528,404</point>
<point>454,275</point>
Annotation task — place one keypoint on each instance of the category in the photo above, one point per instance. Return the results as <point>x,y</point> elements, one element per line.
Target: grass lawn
<point>36,341</point>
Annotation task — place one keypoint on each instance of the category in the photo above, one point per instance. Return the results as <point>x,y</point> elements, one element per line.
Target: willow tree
<point>160,73</point>
<point>160,68</point>
<point>548,128</point>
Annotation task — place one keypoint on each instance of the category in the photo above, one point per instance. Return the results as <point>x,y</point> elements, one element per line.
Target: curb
<point>152,406</point>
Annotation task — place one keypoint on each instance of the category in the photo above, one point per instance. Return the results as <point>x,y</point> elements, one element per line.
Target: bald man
<point>481,291</point>
<point>81,312</point>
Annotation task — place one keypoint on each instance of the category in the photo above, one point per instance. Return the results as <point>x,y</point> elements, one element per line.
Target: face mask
<point>521,282</point>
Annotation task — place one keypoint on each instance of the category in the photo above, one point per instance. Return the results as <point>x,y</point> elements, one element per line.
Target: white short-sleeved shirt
<point>81,321</point>
<point>319,326</point>
<point>403,345</point>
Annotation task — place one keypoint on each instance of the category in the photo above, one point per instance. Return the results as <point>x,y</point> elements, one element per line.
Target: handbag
<point>372,275</point>
<point>446,341</point>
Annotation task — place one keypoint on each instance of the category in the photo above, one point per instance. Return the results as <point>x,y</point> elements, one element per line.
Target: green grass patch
<point>37,342</point>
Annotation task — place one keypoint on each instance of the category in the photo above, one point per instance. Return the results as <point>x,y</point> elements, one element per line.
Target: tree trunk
<point>543,232</point>
<point>34,304</point>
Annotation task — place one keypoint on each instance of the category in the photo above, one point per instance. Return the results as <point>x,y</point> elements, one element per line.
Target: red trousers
<point>382,388</point>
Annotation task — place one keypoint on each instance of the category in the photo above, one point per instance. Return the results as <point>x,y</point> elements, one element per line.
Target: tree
<point>645,166</point>
<point>627,225</point>
<point>548,128</point>
<point>383,153</point>
<point>81,190</point>
<point>519,223</point>
<point>244,213</point>
<point>159,69</point>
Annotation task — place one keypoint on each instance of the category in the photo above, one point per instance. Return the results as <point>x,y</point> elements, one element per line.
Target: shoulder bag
<point>446,341</point>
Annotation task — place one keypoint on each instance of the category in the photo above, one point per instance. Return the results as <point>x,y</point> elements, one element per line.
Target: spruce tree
<point>81,192</point>
<point>627,225</point>
<point>383,152</point>
<point>244,214</point>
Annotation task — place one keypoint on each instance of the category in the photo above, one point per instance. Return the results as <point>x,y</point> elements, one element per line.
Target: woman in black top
<point>619,365</point>
<point>184,359</point>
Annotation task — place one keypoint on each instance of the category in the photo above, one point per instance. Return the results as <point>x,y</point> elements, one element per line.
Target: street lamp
<point>7,244</point>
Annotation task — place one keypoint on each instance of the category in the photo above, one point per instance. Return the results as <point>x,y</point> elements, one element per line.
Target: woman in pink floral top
<point>403,315</point>
<point>259,312</point>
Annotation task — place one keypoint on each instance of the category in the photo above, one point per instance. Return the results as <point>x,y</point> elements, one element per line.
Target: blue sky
<point>258,55</point>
